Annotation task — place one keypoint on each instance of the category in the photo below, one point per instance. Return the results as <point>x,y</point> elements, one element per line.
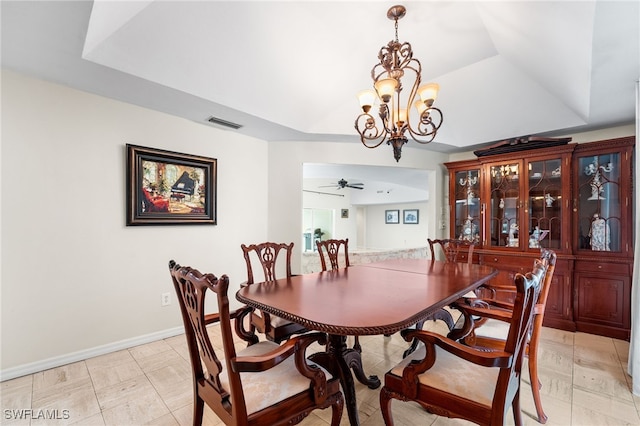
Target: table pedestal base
<point>339,359</point>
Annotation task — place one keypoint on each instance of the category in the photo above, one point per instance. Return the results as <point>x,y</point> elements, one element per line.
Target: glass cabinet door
<point>467,205</point>
<point>599,203</point>
<point>544,204</point>
<point>503,208</point>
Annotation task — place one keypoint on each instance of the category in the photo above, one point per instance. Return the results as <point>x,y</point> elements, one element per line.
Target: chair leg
<point>515,406</point>
<point>535,380</point>
<point>336,411</point>
<point>385,406</point>
<point>198,410</point>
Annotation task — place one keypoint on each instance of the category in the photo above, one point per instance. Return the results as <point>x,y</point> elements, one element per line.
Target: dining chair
<point>266,255</point>
<point>331,249</point>
<point>261,384</point>
<point>492,334</point>
<point>454,250</point>
<point>451,379</point>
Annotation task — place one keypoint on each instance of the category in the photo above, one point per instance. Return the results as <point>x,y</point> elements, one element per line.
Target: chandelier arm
<point>370,132</point>
<point>416,85</point>
<point>406,54</point>
<point>430,127</point>
<point>375,76</point>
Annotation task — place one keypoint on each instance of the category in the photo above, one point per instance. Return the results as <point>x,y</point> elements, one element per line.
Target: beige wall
<point>381,235</point>
<point>76,281</point>
<point>74,277</point>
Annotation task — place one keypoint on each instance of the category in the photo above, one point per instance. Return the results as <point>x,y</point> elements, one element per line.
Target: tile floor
<point>584,383</point>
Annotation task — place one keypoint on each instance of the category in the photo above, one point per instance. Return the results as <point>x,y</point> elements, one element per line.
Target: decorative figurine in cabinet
<point>504,205</point>
<point>599,201</point>
<point>466,205</point>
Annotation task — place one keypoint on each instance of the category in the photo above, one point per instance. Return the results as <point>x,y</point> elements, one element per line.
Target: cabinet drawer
<point>513,263</point>
<point>463,257</point>
<point>607,268</point>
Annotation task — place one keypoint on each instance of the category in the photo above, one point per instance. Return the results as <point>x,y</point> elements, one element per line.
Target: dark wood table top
<point>417,266</point>
<point>369,299</point>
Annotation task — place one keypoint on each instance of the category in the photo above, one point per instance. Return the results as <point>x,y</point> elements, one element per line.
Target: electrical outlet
<point>166,299</point>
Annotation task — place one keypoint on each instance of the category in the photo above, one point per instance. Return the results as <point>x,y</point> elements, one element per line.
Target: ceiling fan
<point>344,184</point>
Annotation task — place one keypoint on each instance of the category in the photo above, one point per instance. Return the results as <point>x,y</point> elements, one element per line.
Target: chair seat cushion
<point>266,388</point>
<point>455,375</point>
<point>493,328</point>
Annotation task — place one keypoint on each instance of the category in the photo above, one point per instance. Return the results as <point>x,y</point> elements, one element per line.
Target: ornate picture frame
<point>170,188</point>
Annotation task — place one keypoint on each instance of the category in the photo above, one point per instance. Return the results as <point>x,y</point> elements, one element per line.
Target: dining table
<point>379,298</point>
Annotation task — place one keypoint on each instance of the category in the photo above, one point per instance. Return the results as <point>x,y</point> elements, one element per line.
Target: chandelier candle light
<point>397,115</point>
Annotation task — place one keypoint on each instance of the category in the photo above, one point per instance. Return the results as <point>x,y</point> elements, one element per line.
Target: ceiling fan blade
<point>343,184</point>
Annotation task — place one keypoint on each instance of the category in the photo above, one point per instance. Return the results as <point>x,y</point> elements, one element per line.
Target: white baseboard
<point>45,364</point>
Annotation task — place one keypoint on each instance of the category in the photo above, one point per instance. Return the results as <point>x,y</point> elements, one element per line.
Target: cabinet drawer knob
<point>599,266</point>
<point>495,259</point>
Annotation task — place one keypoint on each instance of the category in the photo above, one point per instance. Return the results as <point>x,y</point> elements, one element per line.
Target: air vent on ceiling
<point>223,123</point>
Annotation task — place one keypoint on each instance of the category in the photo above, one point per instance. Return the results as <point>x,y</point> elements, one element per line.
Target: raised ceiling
<point>289,70</point>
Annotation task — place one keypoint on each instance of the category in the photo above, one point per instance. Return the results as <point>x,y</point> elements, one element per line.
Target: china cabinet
<point>573,198</point>
<point>603,230</point>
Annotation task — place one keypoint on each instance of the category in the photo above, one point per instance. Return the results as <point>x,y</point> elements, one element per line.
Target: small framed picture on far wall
<point>392,216</point>
<point>410,216</point>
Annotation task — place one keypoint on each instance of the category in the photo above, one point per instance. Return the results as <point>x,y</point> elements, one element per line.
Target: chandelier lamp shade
<point>400,116</point>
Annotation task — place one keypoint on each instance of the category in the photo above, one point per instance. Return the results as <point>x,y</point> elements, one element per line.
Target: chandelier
<point>398,114</point>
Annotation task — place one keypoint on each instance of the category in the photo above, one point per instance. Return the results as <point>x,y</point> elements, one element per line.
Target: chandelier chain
<point>396,30</point>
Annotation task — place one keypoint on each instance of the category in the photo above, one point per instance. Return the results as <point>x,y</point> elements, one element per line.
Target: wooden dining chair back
<point>267,255</point>
<point>331,250</point>
<point>451,379</point>
<point>275,261</point>
<point>454,250</point>
<point>491,334</point>
<point>235,385</point>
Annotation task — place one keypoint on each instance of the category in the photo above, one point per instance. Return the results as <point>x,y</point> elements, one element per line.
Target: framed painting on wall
<point>392,216</point>
<point>170,188</point>
<point>410,216</point>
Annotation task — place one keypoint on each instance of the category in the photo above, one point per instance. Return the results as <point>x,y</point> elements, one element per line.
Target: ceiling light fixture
<point>395,59</point>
